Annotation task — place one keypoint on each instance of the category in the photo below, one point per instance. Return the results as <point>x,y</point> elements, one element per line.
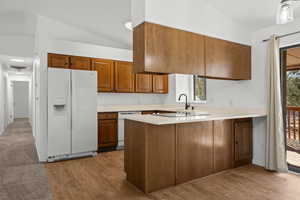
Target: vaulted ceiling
<point>107,17</point>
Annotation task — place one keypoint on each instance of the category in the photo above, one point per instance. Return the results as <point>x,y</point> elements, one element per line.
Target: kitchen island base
<point>160,156</point>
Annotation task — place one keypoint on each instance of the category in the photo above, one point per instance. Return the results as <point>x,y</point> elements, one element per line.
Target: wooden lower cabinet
<point>107,130</point>
<point>223,145</point>
<point>194,150</point>
<point>156,157</point>
<point>242,142</point>
<point>149,155</point>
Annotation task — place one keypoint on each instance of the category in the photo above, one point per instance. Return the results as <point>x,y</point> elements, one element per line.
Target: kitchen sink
<point>182,114</point>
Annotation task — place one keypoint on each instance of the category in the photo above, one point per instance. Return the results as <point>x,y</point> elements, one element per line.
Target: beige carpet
<point>21,176</point>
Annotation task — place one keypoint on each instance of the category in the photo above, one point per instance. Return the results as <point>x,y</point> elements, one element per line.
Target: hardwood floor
<point>102,177</point>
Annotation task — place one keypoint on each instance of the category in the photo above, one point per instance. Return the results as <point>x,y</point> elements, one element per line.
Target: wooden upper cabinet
<point>227,60</point>
<point>124,77</point>
<point>161,49</point>
<point>143,83</point>
<point>105,71</point>
<point>80,63</point>
<point>160,83</point>
<point>243,141</point>
<point>171,50</point>
<point>58,61</point>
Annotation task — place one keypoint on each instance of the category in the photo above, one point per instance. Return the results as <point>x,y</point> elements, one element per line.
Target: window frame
<point>194,100</point>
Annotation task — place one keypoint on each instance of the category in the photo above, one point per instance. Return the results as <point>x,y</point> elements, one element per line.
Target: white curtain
<point>275,141</point>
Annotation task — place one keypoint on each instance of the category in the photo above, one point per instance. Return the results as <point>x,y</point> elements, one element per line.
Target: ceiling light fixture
<point>17,60</point>
<point>285,12</point>
<point>128,25</point>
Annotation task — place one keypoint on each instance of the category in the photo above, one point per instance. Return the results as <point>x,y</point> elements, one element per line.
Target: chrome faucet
<point>187,105</point>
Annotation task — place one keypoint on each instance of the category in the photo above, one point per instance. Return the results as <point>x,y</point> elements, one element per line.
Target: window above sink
<point>193,86</point>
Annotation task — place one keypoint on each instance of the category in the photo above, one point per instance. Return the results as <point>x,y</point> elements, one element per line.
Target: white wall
<point>259,59</point>
<point>2,100</point>
<point>192,15</point>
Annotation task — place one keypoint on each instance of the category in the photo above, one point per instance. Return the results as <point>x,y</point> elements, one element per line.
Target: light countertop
<point>160,120</point>
<point>215,113</point>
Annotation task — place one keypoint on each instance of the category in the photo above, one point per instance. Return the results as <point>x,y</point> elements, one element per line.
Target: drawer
<point>107,115</point>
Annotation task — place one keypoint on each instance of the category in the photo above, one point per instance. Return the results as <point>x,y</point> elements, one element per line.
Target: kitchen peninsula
<point>166,150</point>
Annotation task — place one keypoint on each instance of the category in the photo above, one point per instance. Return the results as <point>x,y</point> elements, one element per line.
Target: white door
<point>59,112</point>
<point>21,99</point>
<point>84,111</point>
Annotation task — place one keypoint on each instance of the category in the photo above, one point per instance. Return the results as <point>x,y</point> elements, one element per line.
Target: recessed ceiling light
<point>128,25</point>
<point>17,60</point>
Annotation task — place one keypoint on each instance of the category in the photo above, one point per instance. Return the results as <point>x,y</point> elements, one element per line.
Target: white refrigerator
<point>72,113</point>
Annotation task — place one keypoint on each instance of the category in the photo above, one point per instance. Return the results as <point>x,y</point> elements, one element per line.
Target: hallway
<point>21,176</point>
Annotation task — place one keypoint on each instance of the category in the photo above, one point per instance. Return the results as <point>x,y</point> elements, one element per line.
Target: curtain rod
<point>283,36</point>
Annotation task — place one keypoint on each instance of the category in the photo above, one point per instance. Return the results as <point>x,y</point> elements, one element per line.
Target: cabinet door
<point>107,133</point>
<point>160,83</point>
<point>80,63</point>
<point>227,60</point>
<point>223,145</point>
<point>241,58</point>
<point>58,61</point>
<point>143,83</point>
<point>105,71</point>
<point>124,77</point>
<point>243,141</point>
<point>161,49</point>
<point>194,151</point>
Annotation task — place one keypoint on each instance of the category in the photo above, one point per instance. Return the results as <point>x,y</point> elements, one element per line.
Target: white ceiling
<point>256,14</point>
<point>106,18</point>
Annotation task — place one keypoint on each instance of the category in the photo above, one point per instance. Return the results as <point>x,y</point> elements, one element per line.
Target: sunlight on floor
<point>293,158</point>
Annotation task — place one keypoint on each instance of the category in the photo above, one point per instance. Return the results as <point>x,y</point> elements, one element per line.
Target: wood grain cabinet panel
<point>243,141</point>
<point>143,83</point>
<point>58,61</point>
<point>149,155</point>
<point>160,83</point>
<point>107,130</point>
<point>105,71</point>
<point>223,145</point>
<point>80,63</point>
<point>194,151</point>
<point>171,50</point>
<point>227,60</point>
<point>124,77</point>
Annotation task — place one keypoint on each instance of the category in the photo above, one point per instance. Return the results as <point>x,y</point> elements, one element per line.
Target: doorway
<point>290,63</point>
<point>21,99</point>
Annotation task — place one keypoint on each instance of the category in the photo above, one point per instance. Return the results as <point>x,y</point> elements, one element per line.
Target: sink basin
<point>182,114</point>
